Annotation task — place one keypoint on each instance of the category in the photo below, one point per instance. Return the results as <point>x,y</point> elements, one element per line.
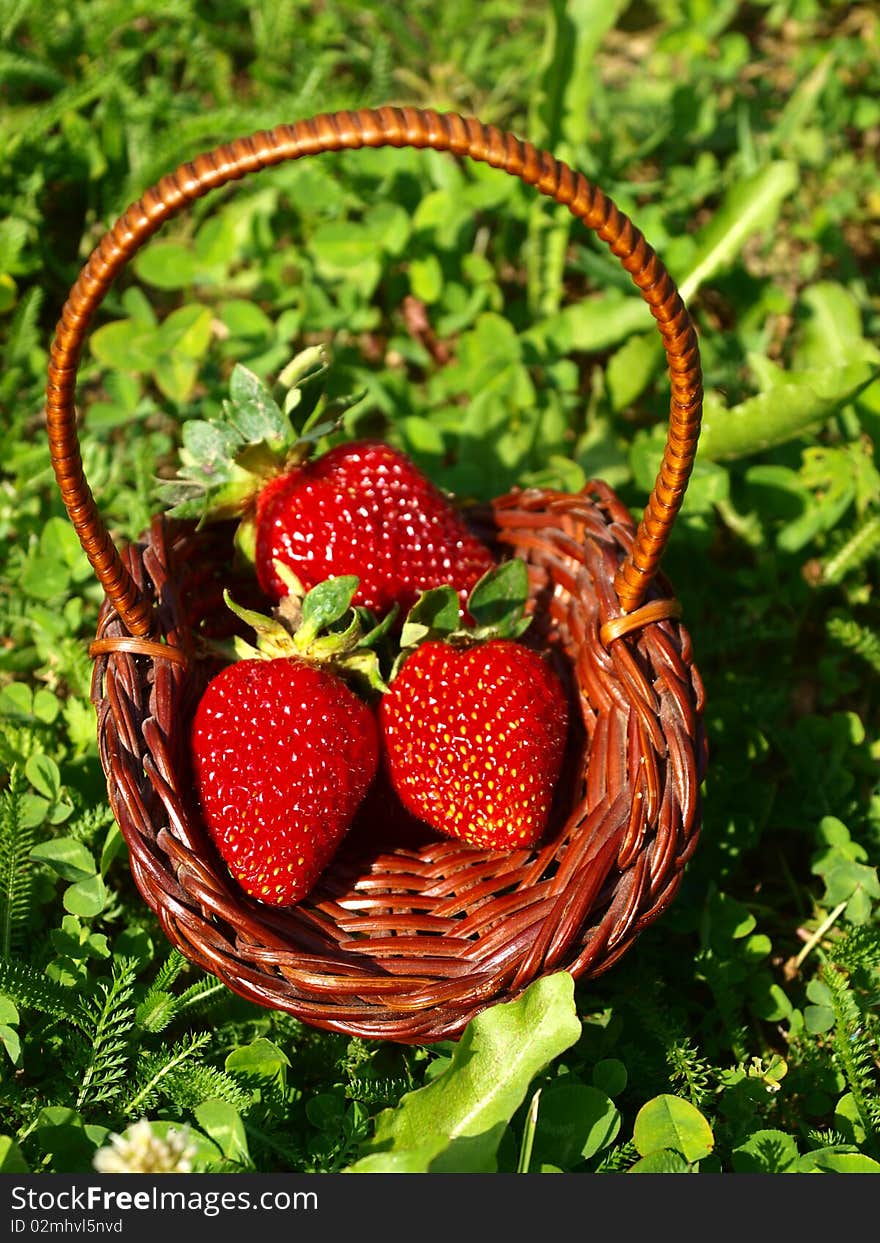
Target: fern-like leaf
<point>688,1071</point>
<point>858,548</point>
<point>858,639</point>
<point>854,1049</point>
<point>158,1074</point>
<point>29,988</point>
<point>16,873</point>
<point>108,1024</point>
<point>859,950</point>
<point>196,998</point>
<point>168,972</point>
<point>156,1011</point>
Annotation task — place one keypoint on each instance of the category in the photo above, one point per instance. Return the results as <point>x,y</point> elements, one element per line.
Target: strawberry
<point>362,508</point>
<point>474,727</point>
<point>283,751</point>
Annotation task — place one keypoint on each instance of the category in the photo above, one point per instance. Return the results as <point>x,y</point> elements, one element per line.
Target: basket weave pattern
<point>407,942</point>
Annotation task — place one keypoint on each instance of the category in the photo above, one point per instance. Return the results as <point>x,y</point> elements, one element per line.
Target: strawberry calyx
<point>321,627</point>
<point>226,461</point>
<point>497,605</point>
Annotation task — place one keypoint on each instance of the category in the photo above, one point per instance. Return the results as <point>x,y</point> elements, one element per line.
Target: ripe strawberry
<point>363,508</point>
<point>474,738</point>
<point>474,727</point>
<point>283,753</point>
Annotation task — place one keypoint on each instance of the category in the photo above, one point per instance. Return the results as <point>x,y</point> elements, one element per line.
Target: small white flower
<point>139,1151</point>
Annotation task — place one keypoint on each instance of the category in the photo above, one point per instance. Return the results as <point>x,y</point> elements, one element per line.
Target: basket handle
<point>396,127</point>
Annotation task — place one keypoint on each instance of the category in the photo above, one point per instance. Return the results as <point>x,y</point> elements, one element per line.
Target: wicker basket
<point>406,940</point>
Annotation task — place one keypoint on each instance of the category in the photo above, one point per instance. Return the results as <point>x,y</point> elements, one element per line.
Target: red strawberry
<point>283,751</point>
<point>282,754</point>
<point>363,508</point>
<point>474,740</point>
<point>474,724</point>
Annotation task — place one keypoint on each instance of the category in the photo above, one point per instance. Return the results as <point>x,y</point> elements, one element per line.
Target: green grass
<point>740,1032</point>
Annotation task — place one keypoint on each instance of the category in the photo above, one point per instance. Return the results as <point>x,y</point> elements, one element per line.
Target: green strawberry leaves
<point>253,412</point>
<point>498,600</point>
<point>434,615</point>
<point>225,461</point>
<point>323,626</point>
<point>320,626</point>
<point>496,603</point>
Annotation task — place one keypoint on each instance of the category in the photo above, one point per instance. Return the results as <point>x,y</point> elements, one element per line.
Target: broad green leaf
<point>222,1123</point>
<point>487,356</point>
<point>426,278</point>
<point>766,1152</point>
<point>442,214</point>
<point>44,578</point>
<point>610,1076</point>
<point>17,700</point>
<point>499,598</point>
<point>187,331</point>
<point>833,1161</point>
<point>175,376</point>
<point>125,345</point>
<point>455,1123</point>
<point>729,920</point>
<point>11,1042</point>
<point>61,1133</point>
<point>210,445</point>
<point>632,367</point>
<point>661,1161</point>
<point>590,326</point>
<point>773,417</point>
<point>326,1111</point>
<point>848,1121</point>
<point>832,333</point>
<point>671,1122</point>
<point>574,1123</point>
<point>85,898</point>
<point>261,1059</point>
<point>114,842</point>
<point>246,320</point>
<point>139,308</point>
<point>166,265</point>
<point>43,774</point>
<point>751,205</point>
<point>341,245</point>
<point>59,541</point>
<point>11,1157</point>
<point>845,877</point>
<point>768,1000</point>
<point>68,857</point>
